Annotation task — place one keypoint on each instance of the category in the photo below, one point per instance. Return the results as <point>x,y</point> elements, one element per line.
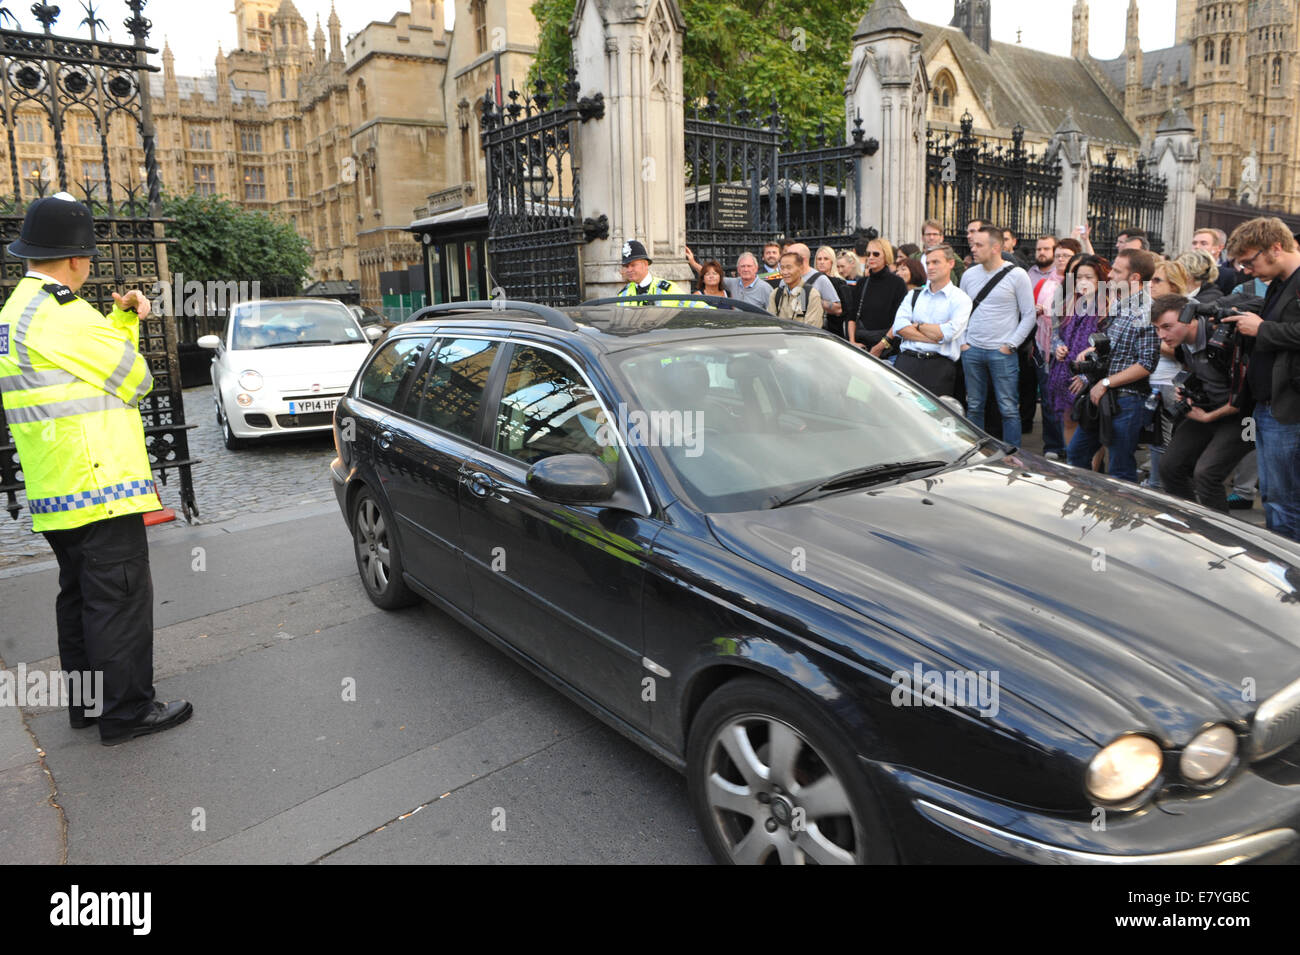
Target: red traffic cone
<point>161,516</point>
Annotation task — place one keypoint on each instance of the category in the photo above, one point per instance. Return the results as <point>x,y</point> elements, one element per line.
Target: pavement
<point>325,730</point>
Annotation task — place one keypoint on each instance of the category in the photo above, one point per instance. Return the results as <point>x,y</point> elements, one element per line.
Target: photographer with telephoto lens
<point>1211,396</point>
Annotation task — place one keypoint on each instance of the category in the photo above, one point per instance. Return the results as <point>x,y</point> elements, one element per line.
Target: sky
<point>194,27</point>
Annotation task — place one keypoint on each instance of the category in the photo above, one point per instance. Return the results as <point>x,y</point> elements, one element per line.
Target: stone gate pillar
<point>633,158</point>
<point>887,88</point>
<point>1175,155</point>
<point>1069,147</point>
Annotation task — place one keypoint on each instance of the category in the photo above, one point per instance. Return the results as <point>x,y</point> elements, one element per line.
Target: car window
<point>450,391</point>
<point>393,364</point>
<point>547,408</point>
<point>274,324</point>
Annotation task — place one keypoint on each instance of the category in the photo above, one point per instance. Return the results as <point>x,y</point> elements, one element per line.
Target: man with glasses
<point>1265,248</point>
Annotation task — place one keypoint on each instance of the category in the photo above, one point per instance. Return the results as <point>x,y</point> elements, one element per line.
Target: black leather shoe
<point>78,718</point>
<point>161,716</point>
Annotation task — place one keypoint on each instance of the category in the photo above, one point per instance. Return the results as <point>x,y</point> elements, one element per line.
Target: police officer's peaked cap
<point>633,250</point>
<point>56,227</point>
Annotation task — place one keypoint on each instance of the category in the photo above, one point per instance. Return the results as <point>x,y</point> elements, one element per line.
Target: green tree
<point>795,52</point>
<point>215,240</point>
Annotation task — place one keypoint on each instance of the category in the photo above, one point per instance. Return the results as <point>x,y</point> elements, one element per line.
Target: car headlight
<point>1209,754</point>
<point>250,380</point>
<point>1124,768</point>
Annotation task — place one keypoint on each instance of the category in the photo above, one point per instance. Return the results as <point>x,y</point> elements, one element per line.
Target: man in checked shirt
<point>1134,352</point>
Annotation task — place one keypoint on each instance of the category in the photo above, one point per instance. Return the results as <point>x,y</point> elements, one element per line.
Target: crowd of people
<point>1112,350</point>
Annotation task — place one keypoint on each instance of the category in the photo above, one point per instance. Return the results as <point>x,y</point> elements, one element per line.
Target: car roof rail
<point>716,301</point>
<point>551,316</point>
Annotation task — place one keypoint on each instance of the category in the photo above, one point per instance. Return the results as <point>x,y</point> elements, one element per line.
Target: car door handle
<point>385,439</point>
<point>479,484</point>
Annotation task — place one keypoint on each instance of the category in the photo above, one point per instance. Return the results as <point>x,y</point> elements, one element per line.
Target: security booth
<point>456,267</point>
<point>402,292</point>
<point>349,293</point>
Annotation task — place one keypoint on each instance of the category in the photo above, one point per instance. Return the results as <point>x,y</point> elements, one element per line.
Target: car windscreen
<point>290,324</point>
<point>744,421</point>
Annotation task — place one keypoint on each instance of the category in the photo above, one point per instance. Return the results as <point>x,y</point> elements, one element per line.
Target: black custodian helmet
<point>56,227</point>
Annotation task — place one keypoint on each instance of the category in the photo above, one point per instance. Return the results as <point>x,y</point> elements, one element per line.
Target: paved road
<point>446,741</point>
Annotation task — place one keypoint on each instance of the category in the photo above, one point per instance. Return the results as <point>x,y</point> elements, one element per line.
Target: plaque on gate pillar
<point>730,208</point>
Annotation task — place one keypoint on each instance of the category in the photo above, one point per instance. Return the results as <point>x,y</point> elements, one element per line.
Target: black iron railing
<point>1120,199</point>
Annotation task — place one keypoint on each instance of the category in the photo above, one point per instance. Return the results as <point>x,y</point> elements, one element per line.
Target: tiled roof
<point>1176,60</point>
<point>1033,88</point>
<point>206,86</point>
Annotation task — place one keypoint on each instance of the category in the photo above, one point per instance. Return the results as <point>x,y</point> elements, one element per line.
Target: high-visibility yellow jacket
<point>656,286</point>
<point>71,380</point>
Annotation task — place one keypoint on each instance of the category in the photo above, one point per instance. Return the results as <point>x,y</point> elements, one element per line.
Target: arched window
<point>1272,137</point>
<point>1225,50</point>
<point>284,88</point>
<point>261,21</point>
<point>945,90</point>
<point>1223,119</point>
<point>362,103</point>
<point>1208,55</point>
<point>1277,71</point>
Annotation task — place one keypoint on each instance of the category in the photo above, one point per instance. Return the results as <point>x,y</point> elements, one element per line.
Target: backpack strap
<point>989,286</point>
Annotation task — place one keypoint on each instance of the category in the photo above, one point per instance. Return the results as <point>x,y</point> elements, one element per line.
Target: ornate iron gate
<point>1120,199</point>
<point>971,178</point>
<point>535,226</point>
<point>798,190</point>
<point>63,79</point>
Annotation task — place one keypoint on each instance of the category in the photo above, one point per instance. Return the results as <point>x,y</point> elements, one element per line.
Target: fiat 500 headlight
<point>250,380</point>
<point>1208,754</point>
<point>1124,768</point>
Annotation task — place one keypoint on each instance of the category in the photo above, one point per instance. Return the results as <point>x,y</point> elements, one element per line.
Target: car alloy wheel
<point>378,560</point>
<point>773,784</point>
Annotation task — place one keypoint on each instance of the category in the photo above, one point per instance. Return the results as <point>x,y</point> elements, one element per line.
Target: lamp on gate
<point>538,180</point>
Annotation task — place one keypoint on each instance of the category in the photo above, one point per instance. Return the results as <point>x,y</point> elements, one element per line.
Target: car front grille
<point>1277,722</point>
<point>313,419</point>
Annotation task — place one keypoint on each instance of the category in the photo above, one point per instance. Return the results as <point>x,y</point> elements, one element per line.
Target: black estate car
<point>865,630</point>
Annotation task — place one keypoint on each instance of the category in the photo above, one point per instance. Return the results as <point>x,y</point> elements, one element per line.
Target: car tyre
<point>228,438</point>
<point>379,561</point>
<point>772,781</point>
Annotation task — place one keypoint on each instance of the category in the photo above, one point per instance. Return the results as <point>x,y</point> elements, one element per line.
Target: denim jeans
<point>1053,433</point>
<point>1122,452</point>
<point>1279,472</point>
<point>982,365</point>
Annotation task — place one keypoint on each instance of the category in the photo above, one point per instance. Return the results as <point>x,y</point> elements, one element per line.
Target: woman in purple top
<point>1085,277</point>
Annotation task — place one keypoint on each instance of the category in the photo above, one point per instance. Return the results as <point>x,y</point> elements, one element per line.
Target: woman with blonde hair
<point>1204,271</point>
<point>878,295</point>
<point>1171,278</point>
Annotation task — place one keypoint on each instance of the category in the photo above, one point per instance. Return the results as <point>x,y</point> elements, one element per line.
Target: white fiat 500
<point>281,366</point>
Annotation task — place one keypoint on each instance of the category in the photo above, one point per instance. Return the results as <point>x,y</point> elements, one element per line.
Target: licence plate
<point>313,404</point>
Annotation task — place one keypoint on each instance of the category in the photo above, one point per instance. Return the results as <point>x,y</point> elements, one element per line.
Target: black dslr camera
<point>1194,395</point>
<point>1224,341</point>
<point>1097,365</point>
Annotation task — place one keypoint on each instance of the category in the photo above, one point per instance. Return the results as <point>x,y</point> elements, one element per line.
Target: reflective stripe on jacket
<point>662,287</point>
<point>71,380</point>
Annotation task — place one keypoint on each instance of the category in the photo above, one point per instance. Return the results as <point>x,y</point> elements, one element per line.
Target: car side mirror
<point>209,341</point>
<point>571,479</point>
<point>374,333</point>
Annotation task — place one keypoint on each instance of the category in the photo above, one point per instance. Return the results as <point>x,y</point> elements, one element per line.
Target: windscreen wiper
<point>859,477</point>
<point>309,341</point>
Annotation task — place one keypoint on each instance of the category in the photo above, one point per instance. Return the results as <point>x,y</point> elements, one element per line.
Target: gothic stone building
<point>1233,70</point>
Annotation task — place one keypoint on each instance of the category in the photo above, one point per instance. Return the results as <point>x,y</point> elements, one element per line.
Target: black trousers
<point>105,613</point>
<point>938,374</point>
<point>1199,459</point>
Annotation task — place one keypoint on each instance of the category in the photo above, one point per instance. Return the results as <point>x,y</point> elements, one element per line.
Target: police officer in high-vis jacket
<point>71,381</point>
<point>636,266</point>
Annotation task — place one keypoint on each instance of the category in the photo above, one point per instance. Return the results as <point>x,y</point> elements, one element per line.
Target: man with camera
<point>1265,248</point>
<point>1120,395</point>
<point>1208,437</point>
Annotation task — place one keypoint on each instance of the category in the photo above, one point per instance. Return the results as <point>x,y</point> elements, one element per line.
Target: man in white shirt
<point>931,323</point>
